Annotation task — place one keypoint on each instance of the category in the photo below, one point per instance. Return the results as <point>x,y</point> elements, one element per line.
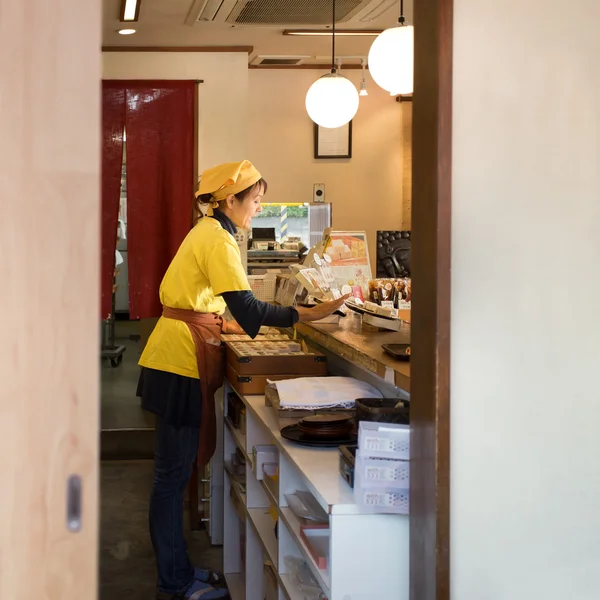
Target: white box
<point>262,455</point>
<point>381,472</point>
<point>383,500</point>
<point>384,440</point>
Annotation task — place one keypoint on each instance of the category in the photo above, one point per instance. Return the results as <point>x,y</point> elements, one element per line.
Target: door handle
<point>74,503</point>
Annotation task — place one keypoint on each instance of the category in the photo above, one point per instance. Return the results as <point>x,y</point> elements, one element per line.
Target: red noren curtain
<point>113,121</point>
<point>160,183</point>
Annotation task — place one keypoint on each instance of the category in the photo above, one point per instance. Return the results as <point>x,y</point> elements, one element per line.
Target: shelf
<point>240,439</point>
<point>270,496</point>
<point>237,588</point>
<point>292,523</point>
<point>316,464</point>
<point>237,486</point>
<point>289,587</point>
<point>265,528</point>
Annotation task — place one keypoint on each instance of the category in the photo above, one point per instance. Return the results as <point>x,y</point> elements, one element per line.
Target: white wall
<point>260,115</point>
<point>366,190</point>
<point>222,98</point>
<point>525,486</point>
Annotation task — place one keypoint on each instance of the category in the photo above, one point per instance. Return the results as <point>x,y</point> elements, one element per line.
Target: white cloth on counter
<point>323,392</point>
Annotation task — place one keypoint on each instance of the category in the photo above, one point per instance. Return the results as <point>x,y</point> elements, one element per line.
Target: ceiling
<point>163,23</point>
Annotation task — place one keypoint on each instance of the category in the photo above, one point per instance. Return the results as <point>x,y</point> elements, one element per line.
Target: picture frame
<point>333,143</point>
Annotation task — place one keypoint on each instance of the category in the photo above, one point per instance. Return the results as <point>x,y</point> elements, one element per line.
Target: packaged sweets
<point>389,293</point>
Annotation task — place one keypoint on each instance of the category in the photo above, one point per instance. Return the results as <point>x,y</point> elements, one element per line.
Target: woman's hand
<point>322,310</point>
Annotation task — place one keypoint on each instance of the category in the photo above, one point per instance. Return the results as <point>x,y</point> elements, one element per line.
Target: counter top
<point>353,342</point>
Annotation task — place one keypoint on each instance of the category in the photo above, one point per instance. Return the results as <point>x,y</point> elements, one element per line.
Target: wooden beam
<point>241,49</point>
<point>430,374</point>
<point>313,66</point>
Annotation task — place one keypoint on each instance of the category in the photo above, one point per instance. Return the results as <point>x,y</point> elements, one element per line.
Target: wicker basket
<point>383,410</point>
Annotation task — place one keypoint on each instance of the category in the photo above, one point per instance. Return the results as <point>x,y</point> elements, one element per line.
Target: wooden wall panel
<point>49,313</point>
<point>407,124</point>
<point>430,360</point>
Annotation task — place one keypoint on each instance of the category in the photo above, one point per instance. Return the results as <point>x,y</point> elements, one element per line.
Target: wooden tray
<point>245,359</point>
<point>239,337</point>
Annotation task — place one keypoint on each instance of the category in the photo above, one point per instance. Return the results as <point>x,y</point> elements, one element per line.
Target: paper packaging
<point>262,455</point>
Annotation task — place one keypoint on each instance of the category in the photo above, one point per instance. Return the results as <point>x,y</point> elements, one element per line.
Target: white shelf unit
<point>368,553</point>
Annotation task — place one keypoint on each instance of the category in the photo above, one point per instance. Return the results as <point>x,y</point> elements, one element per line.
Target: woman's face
<point>242,212</point>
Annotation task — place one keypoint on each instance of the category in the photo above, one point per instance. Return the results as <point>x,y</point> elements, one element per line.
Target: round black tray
<point>293,433</point>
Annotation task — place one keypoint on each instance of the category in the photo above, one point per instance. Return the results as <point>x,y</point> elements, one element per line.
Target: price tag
<point>381,474</point>
<point>379,444</point>
<point>376,499</point>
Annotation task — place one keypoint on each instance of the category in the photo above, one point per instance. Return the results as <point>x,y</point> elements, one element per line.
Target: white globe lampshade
<point>391,59</point>
<point>332,101</point>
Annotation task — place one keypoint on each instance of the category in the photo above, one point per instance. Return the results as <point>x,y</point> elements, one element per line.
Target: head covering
<point>226,179</point>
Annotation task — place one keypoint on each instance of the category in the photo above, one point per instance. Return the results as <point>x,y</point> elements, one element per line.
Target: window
<point>304,221</point>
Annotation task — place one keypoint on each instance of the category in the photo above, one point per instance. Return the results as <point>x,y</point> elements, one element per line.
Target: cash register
<point>264,252</point>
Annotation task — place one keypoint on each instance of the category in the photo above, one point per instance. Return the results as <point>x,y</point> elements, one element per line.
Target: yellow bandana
<point>227,179</point>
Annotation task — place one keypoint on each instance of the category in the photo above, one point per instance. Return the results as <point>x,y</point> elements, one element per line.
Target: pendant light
<point>391,58</point>
<point>332,100</point>
<point>363,81</point>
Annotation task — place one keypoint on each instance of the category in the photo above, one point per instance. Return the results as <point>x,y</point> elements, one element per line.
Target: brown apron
<point>206,329</point>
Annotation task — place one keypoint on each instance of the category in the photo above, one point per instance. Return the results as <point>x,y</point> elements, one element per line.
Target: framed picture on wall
<point>333,143</point>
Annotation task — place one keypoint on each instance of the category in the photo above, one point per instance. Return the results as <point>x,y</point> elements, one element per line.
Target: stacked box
<point>251,364</point>
<point>382,467</point>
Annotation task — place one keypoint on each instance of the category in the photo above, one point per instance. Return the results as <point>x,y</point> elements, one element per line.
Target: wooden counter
<point>361,347</point>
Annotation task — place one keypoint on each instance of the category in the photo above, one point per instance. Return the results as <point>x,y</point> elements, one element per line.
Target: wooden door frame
<point>430,371</point>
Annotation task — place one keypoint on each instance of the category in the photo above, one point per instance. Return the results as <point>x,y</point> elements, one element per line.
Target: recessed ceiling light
<point>327,32</point>
<point>126,31</point>
<point>130,10</point>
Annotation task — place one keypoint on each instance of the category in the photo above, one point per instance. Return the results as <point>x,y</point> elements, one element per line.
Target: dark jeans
<point>174,455</point>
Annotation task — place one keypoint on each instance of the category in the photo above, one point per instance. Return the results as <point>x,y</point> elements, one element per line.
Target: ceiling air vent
<point>292,12</point>
<point>274,60</point>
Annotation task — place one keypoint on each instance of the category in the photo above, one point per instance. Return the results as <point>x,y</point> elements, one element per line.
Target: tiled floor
<point>120,407</point>
<point>127,569</point>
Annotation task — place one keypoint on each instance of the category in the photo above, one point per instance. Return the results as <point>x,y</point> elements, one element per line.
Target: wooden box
<point>251,385</point>
<point>275,358</point>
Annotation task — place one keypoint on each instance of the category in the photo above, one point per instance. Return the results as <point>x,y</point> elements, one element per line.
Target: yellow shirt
<point>207,264</point>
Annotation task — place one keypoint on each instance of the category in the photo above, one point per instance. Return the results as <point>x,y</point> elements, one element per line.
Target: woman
<point>183,362</point>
